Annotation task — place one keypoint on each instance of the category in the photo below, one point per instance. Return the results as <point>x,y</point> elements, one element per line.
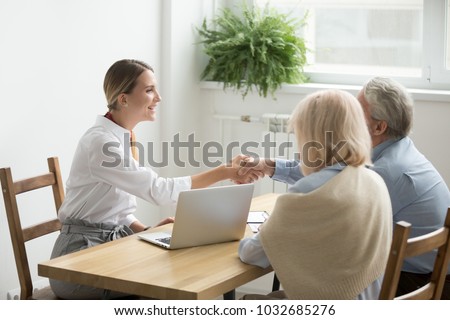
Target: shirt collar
<point>120,132</point>
<point>376,151</point>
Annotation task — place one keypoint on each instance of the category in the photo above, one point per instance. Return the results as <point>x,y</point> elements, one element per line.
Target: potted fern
<point>257,49</point>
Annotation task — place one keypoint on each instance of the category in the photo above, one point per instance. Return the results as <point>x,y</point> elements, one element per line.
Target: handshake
<point>247,169</point>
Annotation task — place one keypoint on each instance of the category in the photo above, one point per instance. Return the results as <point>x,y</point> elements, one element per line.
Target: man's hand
<point>262,165</point>
<point>250,175</point>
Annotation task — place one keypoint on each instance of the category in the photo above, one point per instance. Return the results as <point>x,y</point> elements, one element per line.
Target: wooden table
<point>136,267</point>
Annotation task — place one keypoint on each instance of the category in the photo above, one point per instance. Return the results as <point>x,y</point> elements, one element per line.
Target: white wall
<point>431,133</point>
<point>53,58</point>
<point>181,62</point>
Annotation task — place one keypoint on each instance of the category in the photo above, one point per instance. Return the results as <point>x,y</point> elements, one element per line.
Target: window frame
<point>435,18</point>
<point>435,75</point>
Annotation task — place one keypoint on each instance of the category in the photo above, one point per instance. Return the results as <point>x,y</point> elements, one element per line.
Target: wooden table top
<point>136,267</point>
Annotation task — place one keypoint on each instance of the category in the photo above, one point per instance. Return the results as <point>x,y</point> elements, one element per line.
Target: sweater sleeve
<point>287,171</point>
<point>252,252</point>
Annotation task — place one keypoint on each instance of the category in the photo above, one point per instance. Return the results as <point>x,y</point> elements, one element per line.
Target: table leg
<point>106,294</point>
<point>230,295</point>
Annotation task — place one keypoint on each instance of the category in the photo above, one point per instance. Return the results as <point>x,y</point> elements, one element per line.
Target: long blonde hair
<point>330,127</point>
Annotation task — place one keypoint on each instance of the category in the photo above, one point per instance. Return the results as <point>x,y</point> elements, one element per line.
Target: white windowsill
<point>417,94</point>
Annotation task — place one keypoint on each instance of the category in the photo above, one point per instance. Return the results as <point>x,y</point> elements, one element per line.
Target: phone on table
<point>256,219</point>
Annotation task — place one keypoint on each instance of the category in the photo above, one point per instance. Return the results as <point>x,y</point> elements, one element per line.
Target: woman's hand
<point>246,169</point>
<point>264,166</point>
<point>165,221</point>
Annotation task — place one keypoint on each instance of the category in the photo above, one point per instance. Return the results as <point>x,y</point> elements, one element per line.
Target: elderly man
<point>418,193</point>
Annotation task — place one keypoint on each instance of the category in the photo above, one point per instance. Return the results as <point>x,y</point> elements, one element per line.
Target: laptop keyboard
<point>164,240</point>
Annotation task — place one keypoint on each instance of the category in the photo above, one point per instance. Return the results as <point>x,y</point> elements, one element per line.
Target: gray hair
<point>391,102</point>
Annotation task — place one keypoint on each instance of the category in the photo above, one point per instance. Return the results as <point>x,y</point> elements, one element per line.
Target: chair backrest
<point>19,235</point>
<point>402,248</point>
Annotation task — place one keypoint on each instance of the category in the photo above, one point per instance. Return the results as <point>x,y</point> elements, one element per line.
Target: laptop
<point>207,216</point>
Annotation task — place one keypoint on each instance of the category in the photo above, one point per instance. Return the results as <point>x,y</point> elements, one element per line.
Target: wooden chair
<point>19,235</point>
<point>402,247</point>
<point>275,283</point>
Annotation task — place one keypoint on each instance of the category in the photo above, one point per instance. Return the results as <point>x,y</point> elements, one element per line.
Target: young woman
<point>105,179</point>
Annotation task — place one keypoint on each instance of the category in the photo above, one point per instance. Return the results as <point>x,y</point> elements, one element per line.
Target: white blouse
<point>104,179</point>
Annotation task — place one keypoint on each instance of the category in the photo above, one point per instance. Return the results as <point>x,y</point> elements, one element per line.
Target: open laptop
<point>207,216</point>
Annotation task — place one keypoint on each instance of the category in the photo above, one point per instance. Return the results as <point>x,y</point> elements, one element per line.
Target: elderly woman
<point>329,237</point>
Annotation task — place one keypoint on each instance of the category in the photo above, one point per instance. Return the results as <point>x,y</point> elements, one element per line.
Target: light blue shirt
<point>418,193</point>
<point>251,250</point>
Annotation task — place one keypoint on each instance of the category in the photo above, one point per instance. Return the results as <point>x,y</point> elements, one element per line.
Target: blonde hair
<point>330,115</point>
<point>121,78</point>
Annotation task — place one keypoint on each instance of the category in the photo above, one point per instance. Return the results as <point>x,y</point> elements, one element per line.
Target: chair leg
<point>276,283</point>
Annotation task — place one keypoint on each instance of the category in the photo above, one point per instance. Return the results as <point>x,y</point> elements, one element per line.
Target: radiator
<point>273,128</point>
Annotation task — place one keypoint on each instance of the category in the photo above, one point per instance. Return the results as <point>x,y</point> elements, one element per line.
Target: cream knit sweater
<point>333,242</point>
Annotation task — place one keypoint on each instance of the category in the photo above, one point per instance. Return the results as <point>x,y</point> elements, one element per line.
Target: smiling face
<point>142,101</point>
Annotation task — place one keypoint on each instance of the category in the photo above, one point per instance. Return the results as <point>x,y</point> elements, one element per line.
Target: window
<point>448,36</point>
<point>352,40</point>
